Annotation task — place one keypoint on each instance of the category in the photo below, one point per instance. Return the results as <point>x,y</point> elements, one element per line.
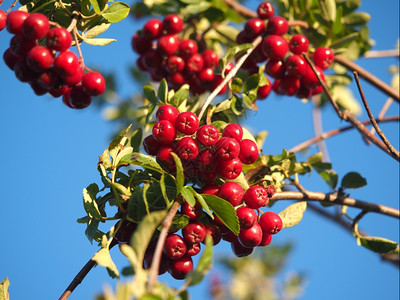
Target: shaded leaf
<point>378,244</point>
<point>180,178</point>
<point>180,95</point>
<point>353,180</point>
<point>150,94</point>
<point>236,85</point>
<point>231,54</point>
<point>163,91</point>
<point>179,222</point>
<point>136,139</point>
<point>293,214</point>
<point>89,201</point>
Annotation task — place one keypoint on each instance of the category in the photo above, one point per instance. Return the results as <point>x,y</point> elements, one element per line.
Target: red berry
<point>148,259</point>
<point>264,91</point>
<point>210,58</point>
<point>242,38</point>
<point>40,59</point>
<point>65,97</point>
<point>193,249</point>
<point>59,91</point>
<point>94,83</point>
<point>37,88</point>
<point>164,132</point>
<point>152,60</point>
<point>323,57</point>
<point>254,27</point>
<point>172,24</point>
<point>58,39</point>
<point>211,189</point>
<point>275,47</point>
<point>187,48</point>
<point>233,130</point>
<point>164,156</point>
<point>152,29</point>
<point>303,92</point>
<point>20,45</point>
<point>310,80</point>
<point>187,123</point>
<point>248,151</point>
<point>298,44</point>
<point>227,148</point>
<point>270,222</point>
<point>231,192</point>
<point>277,25</point>
<point>206,75</point>
<point>66,64</point>
<point>193,212</point>
<point>48,79</point>
<point>194,232</point>
<point>265,11</point>
<point>194,63</point>
<point>289,84</point>
<point>266,239</point>
<point>256,197</point>
<point>206,160</point>
<point>187,148</point>
<point>35,26</point>
<point>275,68</point>
<point>247,217</point>
<point>10,59</point>
<point>176,80</point>
<point>167,44</point>
<point>296,65</point>
<point>151,145</point>
<point>239,250</point>
<point>23,72</point>
<point>207,135</point>
<point>3,20</point>
<point>78,98</point>
<point>175,64</point>
<point>75,79</point>
<point>167,112</point>
<point>251,237</point>
<point>179,268</point>
<point>174,246</point>
<point>15,19</point>
<point>214,231</point>
<point>230,169</point>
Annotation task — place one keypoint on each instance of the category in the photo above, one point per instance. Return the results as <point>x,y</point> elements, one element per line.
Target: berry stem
<point>11,6</point>
<point>373,121</point>
<point>155,264</point>
<point>78,47</point>
<point>230,75</point>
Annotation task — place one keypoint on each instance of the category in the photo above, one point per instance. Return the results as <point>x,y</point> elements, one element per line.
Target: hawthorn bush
<point>183,174</point>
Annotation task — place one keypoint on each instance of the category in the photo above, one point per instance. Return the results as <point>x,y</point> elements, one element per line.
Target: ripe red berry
<point>265,11</point>
<point>298,44</point>
<point>167,112</point>
<point>230,169</point>
<point>78,98</point>
<point>214,231</point>
<point>254,27</point>
<point>266,239</point>
<point>231,192</point>
<point>206,75</point>
<point>275,68</point>
<point>23,72</point>
<point>275,47</point>
<point>194,232</point>
<point>174,246</point>
<point>296,65</point>
<point>256,197</point>
<point>193,212</point>
<point>239,250</point>
<point>233,130</point>
<point>66,63</point>
<point>172,24</point>
<point>207,135</point>
<point>148,259</point>
<point>193,249</point>
<point>167,44</point>
<point>187,48</point>
<point>227,148</point>
<point>37,88</point>
<point>75,78</point>
<point>247,217</point>
<point>187,148</point>
<point>35,26</point>
<point>310,80</point>
<point>194,63</point>
<point>210,58</point>
<point>40,59</point>
<point>164,156</point>
<point>15,19</point>
<point>151,145</point>
<point>289,84</point>
<point>187,123</point>
<point>277,25</point>
<point>242,38</point>
<point>211,189</point>
<point>175,64</point>
<point>164,132</point>
<point>176,80</point>
<point>20,46</point>
<point>10,59</point>
<point>251,237</point>
<point>206,160</point>
<point>264,91</point>
<point>48,79</point>
<point>152,60</point>
<point>179,268</point>
<point>248,151</point>
<point>270,222</point>
<point>58,91</point>
<point>152,29</point>
<point>94,83</point>
<point>58,39</point>
<point>3,19</point>
<point>323,57</point>
<point>65,97</point>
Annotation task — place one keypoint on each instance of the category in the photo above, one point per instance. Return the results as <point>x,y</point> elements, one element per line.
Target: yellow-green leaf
<point>293,214</point>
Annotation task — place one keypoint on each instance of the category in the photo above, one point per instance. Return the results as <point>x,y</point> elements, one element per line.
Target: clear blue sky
<point>49,154</point>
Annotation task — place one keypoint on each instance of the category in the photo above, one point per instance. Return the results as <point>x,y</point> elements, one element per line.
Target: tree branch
<point>382,53</point>
<point>334,199</point>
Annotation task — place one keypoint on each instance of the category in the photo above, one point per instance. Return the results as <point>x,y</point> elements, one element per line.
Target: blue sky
<point>49,154</point>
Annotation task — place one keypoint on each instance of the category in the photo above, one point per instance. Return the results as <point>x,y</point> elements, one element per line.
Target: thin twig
<point>317,124</point>
<point>334,132</point>
<point>78,47</point>
<point>382,53</point>
<point>240,9</point>
<point>155,264</point>
<point>375,81</point>
<point>229,76</point>
<point>334,199</point>
<point>382,113</point>
<point>11,6</point>
<point>371,117</point>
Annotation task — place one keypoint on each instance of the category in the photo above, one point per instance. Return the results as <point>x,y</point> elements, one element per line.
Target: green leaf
<point>330,177</point>
<point>331,9</point>
<point>136,206</point>
<point>204,265</point>
<point>251,83</point>
<point>117,142</point>
<point>356,19</point>
<point>136,139</point>
<point>231,54</point>
<point>179,222</point>
<point>150,94</point>
<point>180,178</point>
<point>196,8</point>
<point>99,42</point>
<point>116,12</point>
<point>345,98</point>
<point>168,188</point>
<point>145,231</point>
<point>236,85</point>
<point>181,95</point>
<point>293,214</point>
<point>103,258</point>
<point>163,91</point>
<point>98,5</point>
<point>224,211</point>
<point>188,195</point>
<point>95,31</point>
<point>89,201</point>
<point>201,200</point>
<point>143,160</point>
<point>353,180</point>
<point>92,232</point>
<point>378,244</point>
<point>4,295</point>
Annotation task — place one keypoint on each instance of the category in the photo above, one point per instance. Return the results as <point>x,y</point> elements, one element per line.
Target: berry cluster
<point>40,56</point>
<point>282,55</point>
<point>207,155</point>
<point>164,54</point>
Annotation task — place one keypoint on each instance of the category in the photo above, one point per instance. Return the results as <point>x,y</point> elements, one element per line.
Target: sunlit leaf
<point>293,214</point>
<point>116,12</point>
<point>103,258</point>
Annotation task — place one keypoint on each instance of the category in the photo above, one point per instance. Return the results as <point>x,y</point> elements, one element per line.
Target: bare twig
<point>334,132</point>
<point>375,81</point>
<point>155,264</point>
<point>317,124</point>
<point>240,9</point>
<point>382,53</point>
<point>334,199</point>
<point>373,122</point>
<point>11,6</point>
<point>382,113</point>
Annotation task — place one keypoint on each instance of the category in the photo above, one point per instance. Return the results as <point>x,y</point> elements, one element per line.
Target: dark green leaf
<point>251,83</point>
<point>128,271</point>
<point>179,222</point>
<point>163,91</point>
<point>180,178</point>
<point>168,188</point>
<point>89,201</point>
<point>116,12</point>
<point>181,95</point>
<point>231,54</point>
<point>204,265</point>
<point>200,199</point>
<point>330,177</point>
<point>356,19</point>
<point>136,205</point>
<point>378,244</point>
<point>150,94</point>
<point>344,40</point>
<point>136,139</point>
<point>91,230</point>
<point>143,160</point>
<point>224,211</point>
<point>236,85</point>
<point>353,180</point>
<point>117,142</point>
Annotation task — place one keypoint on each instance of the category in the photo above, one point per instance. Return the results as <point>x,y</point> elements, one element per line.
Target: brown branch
<point>155,264</point>
<point>373,122</point>
<point>333,199</point>
<point>240,9</point>
<point>382,53</point>
<point>334,132</point>
<point>382,113</point>
<point>11,6</point>
<point>372,79</point>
